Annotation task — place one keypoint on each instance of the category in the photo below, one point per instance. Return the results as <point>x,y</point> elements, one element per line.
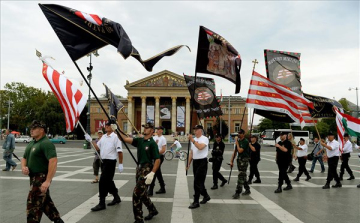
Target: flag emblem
<point>203,96</point>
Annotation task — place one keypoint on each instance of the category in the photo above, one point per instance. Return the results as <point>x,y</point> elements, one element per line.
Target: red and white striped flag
<point>340,128</point>
<point>71,99</point>
<point>266,95</point>
<point>94,19</point>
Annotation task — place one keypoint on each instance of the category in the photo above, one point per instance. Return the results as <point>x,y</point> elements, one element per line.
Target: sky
<point>326,33</point>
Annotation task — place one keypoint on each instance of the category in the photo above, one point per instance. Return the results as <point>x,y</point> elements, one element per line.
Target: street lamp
<point>8,123</point>
<point>357,104</point>
<point>89,77</point>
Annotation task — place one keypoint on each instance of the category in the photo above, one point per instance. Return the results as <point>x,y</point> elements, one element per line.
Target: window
<point>237,110</point>
<point>125,126</point>
<point>98,110</point>
<point>237,127</point>
<point>125,110</point>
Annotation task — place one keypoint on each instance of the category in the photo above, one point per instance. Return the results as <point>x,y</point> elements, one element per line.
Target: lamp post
<point>357,104</point>
<point>89,77</point>
<point>8,123</point>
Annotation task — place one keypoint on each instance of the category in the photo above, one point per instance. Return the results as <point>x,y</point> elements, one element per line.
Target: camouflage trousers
<point>242,167</point>
<point>38,202</point>
<point>140,194</point>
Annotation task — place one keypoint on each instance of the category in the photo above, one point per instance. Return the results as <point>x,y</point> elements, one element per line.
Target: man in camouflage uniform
<point>149,162</point>
<point>243,157</point>
<point>40,162</point>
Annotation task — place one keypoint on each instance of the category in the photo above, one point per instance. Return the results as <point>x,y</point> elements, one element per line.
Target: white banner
<point>150,114</point>
<point>165,112</point>
<point>180,117</point>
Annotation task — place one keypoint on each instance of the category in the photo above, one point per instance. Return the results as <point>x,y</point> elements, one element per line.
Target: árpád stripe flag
<point>71,99</point>
<point>266,95</point>
<point>340,128</point>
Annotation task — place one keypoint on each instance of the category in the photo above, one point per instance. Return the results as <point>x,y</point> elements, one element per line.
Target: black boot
<point>99,207</point>
<point>249,182</point>
<point>223,183</point>
<point>351,177</point>
<point>308,178</point>
<point>341,176</point>
<point>195,204</point>
<point>237,194</point>
<point>326,186</point>
<point>337,185</point>
<point>205,199</point>
<point>257,181</point>
<point>59,220</point>
<point>296,179</point>
<point>278,190</point>
<point>116,200</point>
<point>161,190</point>
<point>214,187</point>
<point>247,192</point>
<point>151,215</point>
<point>288,187</point>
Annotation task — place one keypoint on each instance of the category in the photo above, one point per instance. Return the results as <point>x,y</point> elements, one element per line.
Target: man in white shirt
<point>333,154</point>
<point>199,152</point>
<point>161,142</point>
<point>110,148</point>
<point>177,147</point>
<point>345,156</point>
<point>301,157</point>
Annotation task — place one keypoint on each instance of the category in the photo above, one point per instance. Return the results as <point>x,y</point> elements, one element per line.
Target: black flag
<point>114,103</point>
<point>204,98</point>
<point>82,33</point>
<point>284,68</point>
<point>218,57</point>
<point>323,107</point>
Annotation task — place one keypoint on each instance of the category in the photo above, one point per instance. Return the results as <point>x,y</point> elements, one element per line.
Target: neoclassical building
<point>163,98</point>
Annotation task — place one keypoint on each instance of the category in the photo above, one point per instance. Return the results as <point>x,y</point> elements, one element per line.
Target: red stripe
<point>272,95</point>
<point>97,19</point>
<point>78,95</point>
<point>78,13</point>
<point>69,95</point>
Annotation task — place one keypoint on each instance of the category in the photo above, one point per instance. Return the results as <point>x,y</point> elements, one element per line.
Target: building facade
<point>163,98</point>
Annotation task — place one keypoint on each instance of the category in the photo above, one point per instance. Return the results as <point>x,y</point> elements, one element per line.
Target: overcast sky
<point>325,33</point>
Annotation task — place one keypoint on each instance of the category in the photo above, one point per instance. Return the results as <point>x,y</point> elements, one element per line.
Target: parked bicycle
<point>169,155</point>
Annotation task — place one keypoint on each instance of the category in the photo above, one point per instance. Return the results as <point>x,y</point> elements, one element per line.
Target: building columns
<point>130,115</point>
<point>187,115</point>
<point>157,111</point>
<point>173,115</point>
<point>143,112</point>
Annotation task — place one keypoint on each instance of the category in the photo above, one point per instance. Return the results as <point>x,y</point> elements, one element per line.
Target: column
<point>130,115</point>
<point>143,111</point>
<point>187,115</point>
<point>173,114</point>
<point>157,111</point>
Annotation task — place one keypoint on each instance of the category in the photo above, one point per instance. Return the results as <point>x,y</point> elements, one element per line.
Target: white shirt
<point>303,152</point>
<point>161,141</point>
<point>178,145</point>
<point>347,147</point>
<point>335,149</point>
<point>200,154</point>
<point>109,146</point>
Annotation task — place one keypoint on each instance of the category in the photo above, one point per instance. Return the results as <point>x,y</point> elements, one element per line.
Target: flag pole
<point>107,115</point>
<point>92,146</point>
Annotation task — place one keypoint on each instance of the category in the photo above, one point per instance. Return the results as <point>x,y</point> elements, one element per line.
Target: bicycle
<point>169,155</point>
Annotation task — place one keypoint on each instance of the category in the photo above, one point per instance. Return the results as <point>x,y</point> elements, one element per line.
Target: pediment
<point>162,79</point>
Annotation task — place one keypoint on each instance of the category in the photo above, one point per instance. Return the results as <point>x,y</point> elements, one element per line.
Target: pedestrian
<point>302,157</point>
<point>198,153</point>
<point>217,158</point>
<point>39,162</point>
<point>9,147</point>
<point>345,156</point>
<point>148,163</point>
<point>97,161</point>
<point>162,143</point>
<point>178,147</point>
<point>318,151</point>
<point>332,157</point>
<point>243,157</point>
<point>254,159</point>
<point>291,138</point>
<point>110,149</point>
<point>283,160</point>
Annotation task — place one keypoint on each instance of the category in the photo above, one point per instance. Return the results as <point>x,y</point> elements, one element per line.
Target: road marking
<point>72,173</point>
<point>83,209</point>
<point>70,161</point>
<point>180,211</point>
<point>281,214</point>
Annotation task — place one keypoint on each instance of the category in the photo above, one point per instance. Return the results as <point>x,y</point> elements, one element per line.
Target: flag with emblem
<point>217,56</point>
<point>284,68</point>
<point>115,104</point>
<point>71,99</point>
<point>203,96</point>
<point>82,33</point>
<point>323,107</point>
<point>275,101</point>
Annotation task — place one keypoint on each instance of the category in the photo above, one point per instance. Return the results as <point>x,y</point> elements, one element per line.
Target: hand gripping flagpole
<point>92,146</point>
<point>107,115</point>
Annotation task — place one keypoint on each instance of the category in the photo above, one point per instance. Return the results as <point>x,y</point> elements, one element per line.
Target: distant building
<point>163,98</point>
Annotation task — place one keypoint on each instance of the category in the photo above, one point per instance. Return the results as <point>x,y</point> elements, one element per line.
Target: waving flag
<point>268,97</point>
<point>82,33</point>
<point>323,107</point>
<point>71,99</point>
<point>218,57</point>
<point>340,128</point>
<point>349,124</point>
<point>114,103</point>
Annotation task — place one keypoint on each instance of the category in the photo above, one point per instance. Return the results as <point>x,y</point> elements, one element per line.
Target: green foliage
<point>345,105</point>
<point>266,123</point>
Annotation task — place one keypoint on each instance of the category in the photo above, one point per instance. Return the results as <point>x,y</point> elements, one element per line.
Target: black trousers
<point>332,173</point>
<point>158,175</point>
<point>200,167</point>
<point>254,169</point>
<point>106,183</point>
<point>216,168</point>
<point>345,164</point>
<point>283,165</point>
<point>302,167</point>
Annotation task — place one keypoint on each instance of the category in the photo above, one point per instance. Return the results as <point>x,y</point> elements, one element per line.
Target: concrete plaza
<point>74,195</point>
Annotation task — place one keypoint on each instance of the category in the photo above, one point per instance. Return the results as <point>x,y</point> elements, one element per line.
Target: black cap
<point>283,133</point>
<point>330,134</point>
<point>38,124</point>
<point>346,135</point>
<point>242,131</point>
<point>160,127</point>
<point>198,127</point>
<point>148,125</point>
<point>218,135</point>
<point>302,139</point>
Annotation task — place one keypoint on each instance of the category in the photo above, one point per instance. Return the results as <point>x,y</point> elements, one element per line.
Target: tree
<point>266,123</point>
<point>345,105</point>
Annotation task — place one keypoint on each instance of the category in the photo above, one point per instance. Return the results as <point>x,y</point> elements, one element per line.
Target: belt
<point>200,159</point>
